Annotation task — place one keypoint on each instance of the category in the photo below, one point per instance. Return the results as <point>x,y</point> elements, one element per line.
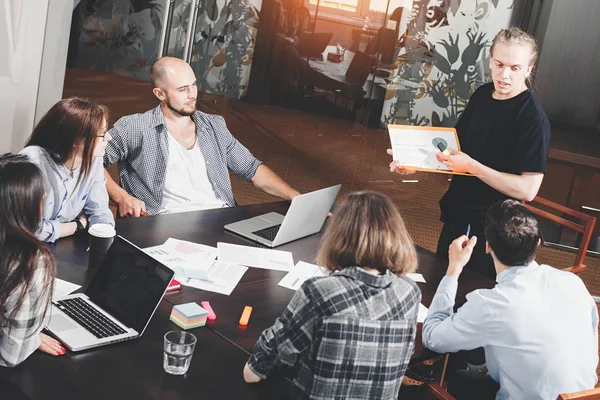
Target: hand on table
<point>51,346</point>
<point>396,167</point>
<point>459,254</point>
<point>129,206</point>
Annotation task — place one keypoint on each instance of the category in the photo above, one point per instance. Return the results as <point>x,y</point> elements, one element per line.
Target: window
<point>345,5</point>
<point>360,8</point>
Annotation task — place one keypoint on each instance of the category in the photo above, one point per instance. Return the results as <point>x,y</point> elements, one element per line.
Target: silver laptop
<point>118,303</point>
<point>306,216</point>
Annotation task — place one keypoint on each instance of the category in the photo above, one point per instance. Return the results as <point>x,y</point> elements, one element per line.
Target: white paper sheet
<point>186,259</point>
<point>299,273</point>
<point>255,257</point>
<point>63,288</point>
<point>222,278</point>
<point>416,277</point>
<point>416,148</point>
<point>422,313</point>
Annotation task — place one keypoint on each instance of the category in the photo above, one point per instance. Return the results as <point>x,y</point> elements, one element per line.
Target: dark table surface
<point>133,369</point>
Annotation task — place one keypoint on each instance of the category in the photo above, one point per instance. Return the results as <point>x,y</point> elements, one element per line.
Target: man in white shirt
<point>538,326</point>
<point>175,158</point>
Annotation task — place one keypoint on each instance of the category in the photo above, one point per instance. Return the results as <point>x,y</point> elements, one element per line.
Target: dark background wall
<point>568,76</point>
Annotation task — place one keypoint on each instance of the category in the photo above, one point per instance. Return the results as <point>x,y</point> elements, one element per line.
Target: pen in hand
<point>468,235</point>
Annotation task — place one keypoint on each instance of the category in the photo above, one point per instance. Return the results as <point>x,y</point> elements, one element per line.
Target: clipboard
<point>415,147</point>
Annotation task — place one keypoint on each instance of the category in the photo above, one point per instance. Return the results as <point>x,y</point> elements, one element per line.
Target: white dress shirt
<point>538,327</point>
<point>187,186</point>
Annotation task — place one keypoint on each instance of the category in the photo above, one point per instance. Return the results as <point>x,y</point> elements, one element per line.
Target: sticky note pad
<point>189,315</point>
<point>246,315</point>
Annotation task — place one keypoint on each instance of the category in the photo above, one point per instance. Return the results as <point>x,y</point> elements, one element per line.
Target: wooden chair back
<point>578,221</point>
<point>593,394</point>
<point>435,391</point>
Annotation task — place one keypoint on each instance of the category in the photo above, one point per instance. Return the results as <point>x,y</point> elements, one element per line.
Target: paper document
<point>299,273</point>
<point>416,146</point>
<point>63,288</point>
<point>416,277</point>
<point>222,278</point>
<point>422,313</point>
<point>255,257</point>
<point>186,259</point>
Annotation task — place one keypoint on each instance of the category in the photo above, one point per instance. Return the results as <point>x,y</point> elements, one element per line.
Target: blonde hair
<point>515,36</point>
<point>367,231</point>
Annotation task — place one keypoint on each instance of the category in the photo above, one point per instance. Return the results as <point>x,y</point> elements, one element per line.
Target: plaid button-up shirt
<point>20,336</point>
<point>349,335</point>
<point>140,147</point>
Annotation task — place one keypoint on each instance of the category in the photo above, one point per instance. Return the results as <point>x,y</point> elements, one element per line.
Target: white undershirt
<point>187,187</point>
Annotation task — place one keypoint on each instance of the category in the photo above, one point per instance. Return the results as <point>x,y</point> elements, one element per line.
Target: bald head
<point>166,67</point>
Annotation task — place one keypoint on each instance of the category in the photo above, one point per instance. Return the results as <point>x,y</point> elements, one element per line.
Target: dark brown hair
<point>512,232</point>
<point>21,253</point>
<point>65,125</point>
<point>367,231</point>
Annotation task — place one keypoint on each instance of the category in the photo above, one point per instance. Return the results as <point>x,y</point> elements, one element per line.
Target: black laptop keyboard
<point>268,233</point>
<point>89,318</point>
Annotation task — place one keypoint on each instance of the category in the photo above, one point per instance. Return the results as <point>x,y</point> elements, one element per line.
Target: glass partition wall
<point>369,61</point>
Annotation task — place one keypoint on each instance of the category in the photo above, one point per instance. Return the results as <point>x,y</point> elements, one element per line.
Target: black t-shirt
<point>506,135</point>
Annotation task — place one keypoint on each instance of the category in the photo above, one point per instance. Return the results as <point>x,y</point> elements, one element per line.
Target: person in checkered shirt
<point>27,266</point>
<point>175,158</point>
<point>349,335</point>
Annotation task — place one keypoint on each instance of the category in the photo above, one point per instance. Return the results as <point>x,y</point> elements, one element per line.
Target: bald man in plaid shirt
<point>174,158</point>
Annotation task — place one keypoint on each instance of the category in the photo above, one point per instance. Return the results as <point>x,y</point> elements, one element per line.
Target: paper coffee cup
<point>102,230</point>
<point>101,237</point>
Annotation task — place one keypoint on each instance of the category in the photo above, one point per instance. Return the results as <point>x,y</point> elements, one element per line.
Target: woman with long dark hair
<point>27,267</point>
<point>68,145</point>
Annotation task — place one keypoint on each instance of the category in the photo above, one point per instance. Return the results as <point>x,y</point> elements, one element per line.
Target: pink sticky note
<point>211,314</point>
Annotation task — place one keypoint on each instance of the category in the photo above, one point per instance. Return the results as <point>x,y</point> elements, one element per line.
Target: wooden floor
<point>308,151</point>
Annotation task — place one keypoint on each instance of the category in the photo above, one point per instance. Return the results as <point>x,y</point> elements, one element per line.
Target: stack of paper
<point>416,277</point>
<point>301,272</point>
<point>255,257</point>
<point>186,259</point>
<point>195,266</point>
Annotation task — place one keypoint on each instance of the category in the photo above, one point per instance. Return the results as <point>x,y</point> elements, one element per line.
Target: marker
<point>211,314</point>
<point>443,149</point>
<point>246,315</point>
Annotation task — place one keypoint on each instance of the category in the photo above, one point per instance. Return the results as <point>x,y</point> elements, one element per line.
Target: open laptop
<point>118,303</point>
<point>313,45</point>
<point>306,216</point>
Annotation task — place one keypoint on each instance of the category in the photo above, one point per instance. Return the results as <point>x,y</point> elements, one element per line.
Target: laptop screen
<point>129,284</point>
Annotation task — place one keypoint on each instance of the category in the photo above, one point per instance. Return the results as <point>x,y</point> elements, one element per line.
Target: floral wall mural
<point>445,58</point>
<point>121,36</point>
<point>223,43</point>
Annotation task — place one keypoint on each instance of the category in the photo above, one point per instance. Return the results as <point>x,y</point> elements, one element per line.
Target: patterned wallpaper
<point>445,58</point>
<point>121,37</point>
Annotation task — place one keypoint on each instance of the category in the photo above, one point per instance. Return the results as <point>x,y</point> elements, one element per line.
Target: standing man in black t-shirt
<point>504,135</point>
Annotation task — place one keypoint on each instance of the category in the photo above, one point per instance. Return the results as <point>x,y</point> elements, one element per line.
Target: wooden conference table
<point>133,369</point>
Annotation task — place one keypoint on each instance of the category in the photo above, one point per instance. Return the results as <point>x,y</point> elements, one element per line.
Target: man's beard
<point>181,112</point>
